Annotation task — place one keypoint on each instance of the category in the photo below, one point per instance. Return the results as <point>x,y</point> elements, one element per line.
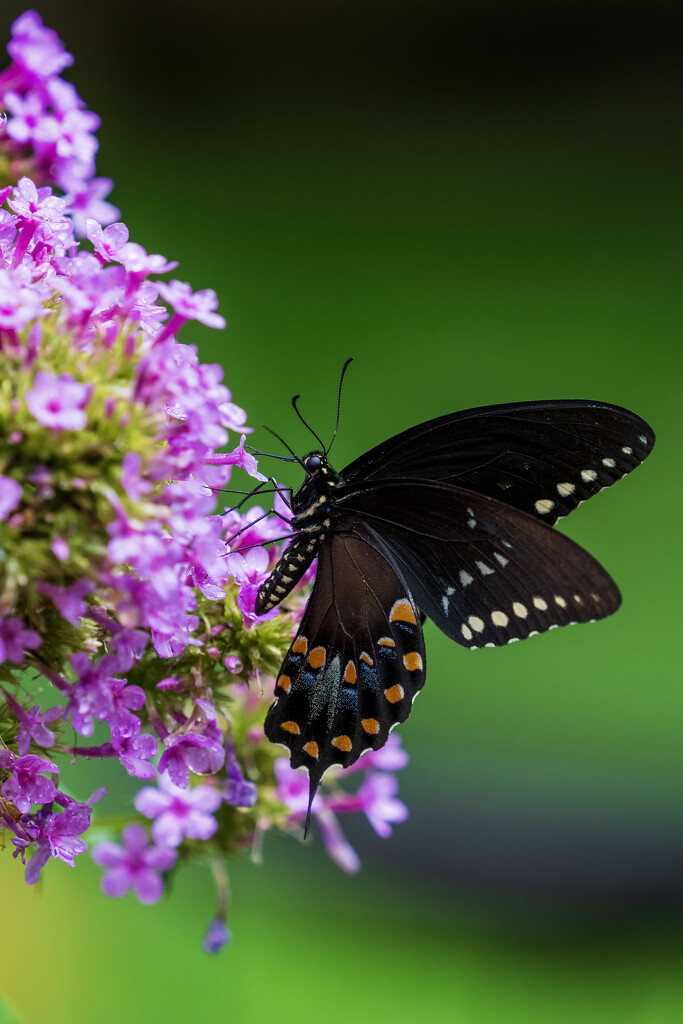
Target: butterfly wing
<point>544,458</point>
<point>483,571</point>
<point>357,661</point>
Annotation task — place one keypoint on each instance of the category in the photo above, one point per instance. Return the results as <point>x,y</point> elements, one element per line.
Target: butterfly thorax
<point>314,507</point>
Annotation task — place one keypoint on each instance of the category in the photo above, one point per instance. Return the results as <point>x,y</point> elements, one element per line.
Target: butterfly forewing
<point>544,458</point>
<point>485,572</point>
<point>357,661</point>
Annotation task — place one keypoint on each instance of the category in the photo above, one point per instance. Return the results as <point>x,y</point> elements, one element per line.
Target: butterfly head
<point>320,483</point>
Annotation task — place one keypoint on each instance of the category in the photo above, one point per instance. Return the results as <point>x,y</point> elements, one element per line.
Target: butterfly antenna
<point>268,455</point>
<point>341,381</point>
<point>308,427</point>
<point>296,457</point>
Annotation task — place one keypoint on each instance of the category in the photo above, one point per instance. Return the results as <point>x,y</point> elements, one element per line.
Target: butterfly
<point>451,519</point>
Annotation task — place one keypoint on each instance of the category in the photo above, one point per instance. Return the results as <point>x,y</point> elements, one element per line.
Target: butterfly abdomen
<point>287,573</point>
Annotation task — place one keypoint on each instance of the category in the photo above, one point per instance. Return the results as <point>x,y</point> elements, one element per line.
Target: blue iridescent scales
<point>451,519</point>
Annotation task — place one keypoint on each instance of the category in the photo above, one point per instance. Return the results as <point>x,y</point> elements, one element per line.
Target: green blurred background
<point>480,201</point>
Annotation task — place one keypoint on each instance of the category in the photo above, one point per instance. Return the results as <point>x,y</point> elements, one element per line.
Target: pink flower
<point>192,305</point>
<point>135,865</point>
<point>36,48</point>
<point>179,812</point>
<point>27,784</point>
<point>69,600</point>
<point>10,495</point>
<point>58,402</point>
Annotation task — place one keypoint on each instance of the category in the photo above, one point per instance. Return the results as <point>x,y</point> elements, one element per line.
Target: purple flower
<point>86,199</point>
<point>69,600</point>
<point>378,796</point>
<point>92,697</point>
<point>37,204</point>
<point>21,301</point>
<point>189,305</point>
<point>57,835</point>
<point>132,482</point>
<point>30,122</point>
<point>200,751</point>
<point>15,640</point>
<point>217,936</point>
<point>58,402</point>
<point>135,753</point>
<point>237,790</point>
<point>106,241</point>
<point>239,457</point>
<point>249,571</point>
<point>27,785</point>
<point>389,758</point>
<point>32,723</point>
<point>37,49</point>
<point>293,788</point>
<point>125,699</point>
<point>337,845</point>
<point>10,495</point>
<point>135,865</point>
<point>179,812</point>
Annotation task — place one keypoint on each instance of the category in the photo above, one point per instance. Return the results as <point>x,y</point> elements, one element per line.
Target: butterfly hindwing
<point>358,658</point>
<point>484,572</point>
<point>544,458</point>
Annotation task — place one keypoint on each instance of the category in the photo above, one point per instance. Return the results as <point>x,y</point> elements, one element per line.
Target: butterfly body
<point>451,519</point>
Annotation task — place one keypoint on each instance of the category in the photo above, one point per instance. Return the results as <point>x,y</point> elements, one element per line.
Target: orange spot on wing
<point>316,659</point>
<point>311,748</point>
<point>371,725</point>
<point>342,743</point>
<point>402,612</point>
<point>394,694</point>
<point>412,661</point>
<point>285,683</point>
<point>350,674</point>
<point>292,727</point>
<point>366,658</point>
<point>386,641</point>
<point>300,645</point>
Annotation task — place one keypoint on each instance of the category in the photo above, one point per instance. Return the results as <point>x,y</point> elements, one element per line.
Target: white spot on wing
<point>560,601</point>
<point>466,631</point>
<point>501,559</point>
<point>484,569</point>
<point>588,475</point>
<point>564,490</point>
<point>627,450</point>
<point>476,623</point>
<point>499,618</point>
<point>544,505</point>
<point>540,604</point>
<point>610,463</point>
<point>520,610</point>
<point>465,578</point>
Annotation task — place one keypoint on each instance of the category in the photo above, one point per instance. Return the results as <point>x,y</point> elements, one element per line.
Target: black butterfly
<point>450,519</point>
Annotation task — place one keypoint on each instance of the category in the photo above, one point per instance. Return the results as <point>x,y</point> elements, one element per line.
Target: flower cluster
<point>50,134</point>
<point>126,602</point>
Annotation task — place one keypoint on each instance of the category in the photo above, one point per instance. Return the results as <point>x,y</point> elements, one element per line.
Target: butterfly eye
<point>312,463</point>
